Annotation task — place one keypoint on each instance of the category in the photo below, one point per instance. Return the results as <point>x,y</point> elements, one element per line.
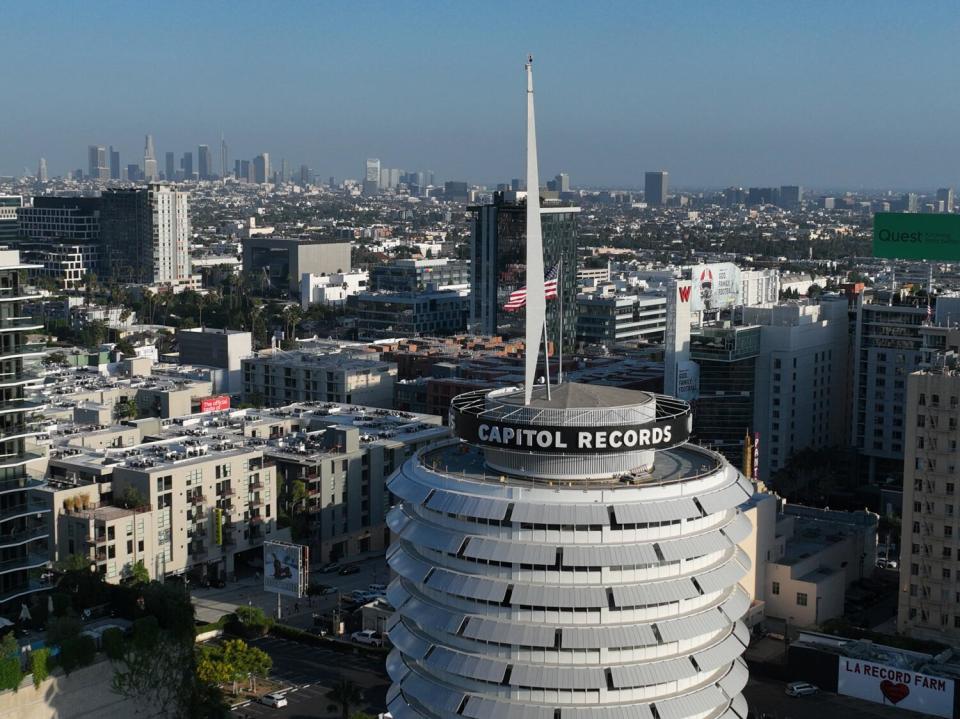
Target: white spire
<point>536,301</point>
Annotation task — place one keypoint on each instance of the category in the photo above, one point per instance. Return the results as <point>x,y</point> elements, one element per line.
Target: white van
<point>801,689</point>
<point>275,700</point>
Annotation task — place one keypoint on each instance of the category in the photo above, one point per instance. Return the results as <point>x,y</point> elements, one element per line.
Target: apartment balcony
<point>22,590</point>
<point>255,485</point>
<point>31,560</point>
<point>19,404</point>
<point>198,499</point>
<point>228,492</point>
<point>14,539</point>
<point>22,509</point>
<point>23,351</point>
<point>22,483</point>
<point>255,501</point>
<point>100,555</point>
<point>20,324</point>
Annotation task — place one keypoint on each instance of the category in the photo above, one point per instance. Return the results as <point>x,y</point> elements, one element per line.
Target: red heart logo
<point>895,693</point>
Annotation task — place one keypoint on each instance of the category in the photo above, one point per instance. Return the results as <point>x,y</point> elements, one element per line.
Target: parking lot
<point>311,672</point>
<point>766,697</point>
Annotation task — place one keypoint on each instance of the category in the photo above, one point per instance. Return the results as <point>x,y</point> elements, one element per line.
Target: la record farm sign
<point>898,687</point>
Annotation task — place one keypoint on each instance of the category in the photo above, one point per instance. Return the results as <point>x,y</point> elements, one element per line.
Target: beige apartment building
<point>803,559</point>
<point>281,378</point>
<point>202,500</point>
<point>929,601</point>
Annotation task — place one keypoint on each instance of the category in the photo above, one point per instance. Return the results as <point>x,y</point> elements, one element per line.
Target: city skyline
<point>801,100</point>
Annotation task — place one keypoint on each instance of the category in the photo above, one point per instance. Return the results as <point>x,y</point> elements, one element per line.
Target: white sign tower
<point>536,299</point>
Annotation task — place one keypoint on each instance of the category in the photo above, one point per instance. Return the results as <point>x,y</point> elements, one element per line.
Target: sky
<point>833,95</point>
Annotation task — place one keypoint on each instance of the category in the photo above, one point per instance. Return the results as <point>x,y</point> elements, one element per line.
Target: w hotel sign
<point>909,236</point>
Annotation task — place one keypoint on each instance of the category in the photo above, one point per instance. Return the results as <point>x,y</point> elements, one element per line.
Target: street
<point>211,603</point>
<point>315,671</point>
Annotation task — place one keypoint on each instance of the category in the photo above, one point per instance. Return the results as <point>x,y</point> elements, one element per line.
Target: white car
<point>368,637</point>
<point>275,700</point>
<point>801,689</point>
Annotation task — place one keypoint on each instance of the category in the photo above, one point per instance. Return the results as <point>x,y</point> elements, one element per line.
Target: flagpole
<point>546,354</point>
<point>560,300</point>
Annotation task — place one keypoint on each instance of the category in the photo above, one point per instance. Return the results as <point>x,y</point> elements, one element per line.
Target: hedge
<point>40,665</point>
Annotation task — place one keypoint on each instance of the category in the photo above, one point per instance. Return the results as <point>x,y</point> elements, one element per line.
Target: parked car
<point>218,583</point>
<point>377,588</point>
<point>801,689</point>
<point>887,563</point>
<point>330,567</point>
<point>368,637</point>
<point>275,700</point>
<point>349,569</point>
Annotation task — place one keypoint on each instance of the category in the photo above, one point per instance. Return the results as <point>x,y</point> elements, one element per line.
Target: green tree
<point>346,694</point>
<point>139,574</point>
<point>56,358</point>
<point>10,671</point>
<point>73,563</point>
<point>94,334</point>
<point>243,661</point>
<point>159,667</point>
<point>299,494</point>
<point>40,665</point>
<point>130,498</point>
<point>126,409</point>
<point>253,622</point>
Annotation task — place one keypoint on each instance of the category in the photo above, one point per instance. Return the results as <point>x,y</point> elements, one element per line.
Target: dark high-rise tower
<point>146,232</point>
<point>186,164</point>
<point>170,169</point>
<point>204,162</point>
<point>655,187</point>
<point>24,517</point>
<point>497,251</point>
<point>114,164</point>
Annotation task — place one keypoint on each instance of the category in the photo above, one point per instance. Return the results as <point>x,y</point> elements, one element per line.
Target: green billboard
<point>909,236</point>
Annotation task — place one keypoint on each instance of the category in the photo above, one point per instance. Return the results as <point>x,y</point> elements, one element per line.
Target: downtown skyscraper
<point>149,160</point>
<point>97,168</point>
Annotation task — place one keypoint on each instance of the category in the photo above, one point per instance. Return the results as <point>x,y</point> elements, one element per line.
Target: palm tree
<point>345,693</point>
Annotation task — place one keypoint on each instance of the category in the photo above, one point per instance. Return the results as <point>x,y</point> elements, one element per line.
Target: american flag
<point>518,298</point>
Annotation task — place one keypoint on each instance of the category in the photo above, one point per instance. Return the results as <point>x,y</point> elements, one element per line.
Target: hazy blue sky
<point>854,94</point>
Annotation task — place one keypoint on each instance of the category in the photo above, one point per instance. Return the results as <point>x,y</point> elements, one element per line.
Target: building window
<point>946,573</point>
<point>801,599</point>
<point>776,587</point>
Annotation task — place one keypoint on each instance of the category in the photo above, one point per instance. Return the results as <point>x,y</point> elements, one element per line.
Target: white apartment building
<point>800,388</point>
<point>331,289</point>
